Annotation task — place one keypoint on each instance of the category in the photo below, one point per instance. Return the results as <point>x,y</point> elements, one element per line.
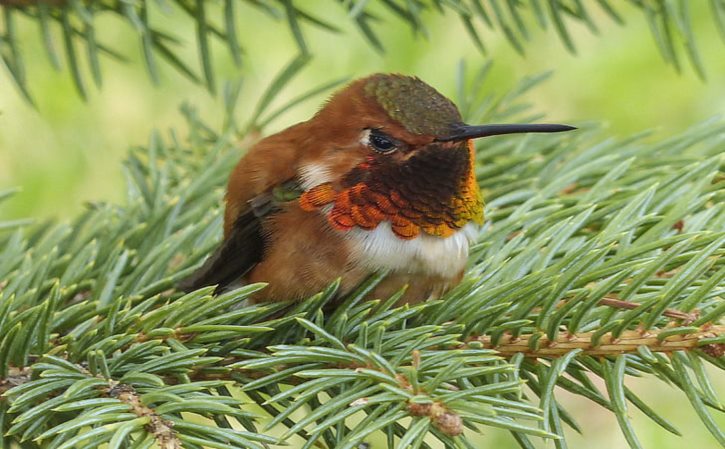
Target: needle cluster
<point>596,254</point>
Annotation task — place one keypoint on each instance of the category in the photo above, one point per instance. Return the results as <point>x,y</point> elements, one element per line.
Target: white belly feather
<point>381,248</point>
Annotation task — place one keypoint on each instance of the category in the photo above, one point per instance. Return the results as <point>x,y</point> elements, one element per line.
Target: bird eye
<point>381,143</point>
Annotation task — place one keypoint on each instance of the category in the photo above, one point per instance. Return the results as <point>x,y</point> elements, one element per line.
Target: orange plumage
<point>385,172</point>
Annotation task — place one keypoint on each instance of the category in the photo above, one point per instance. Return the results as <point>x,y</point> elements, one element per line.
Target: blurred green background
<point>67,152</point>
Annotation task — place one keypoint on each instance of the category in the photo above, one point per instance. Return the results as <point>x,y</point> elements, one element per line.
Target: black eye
<point>382,143</point>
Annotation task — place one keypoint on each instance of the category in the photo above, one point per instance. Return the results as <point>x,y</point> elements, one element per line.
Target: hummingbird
<point>380,178</point>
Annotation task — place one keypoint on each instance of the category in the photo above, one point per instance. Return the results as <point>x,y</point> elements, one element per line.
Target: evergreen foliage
<point>599,257</point>
<point>83,44</point>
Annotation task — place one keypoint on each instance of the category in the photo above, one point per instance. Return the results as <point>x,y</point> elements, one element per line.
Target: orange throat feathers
<point>433,192</point>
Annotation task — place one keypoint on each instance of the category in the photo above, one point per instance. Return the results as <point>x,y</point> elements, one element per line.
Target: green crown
<point>414,104</point>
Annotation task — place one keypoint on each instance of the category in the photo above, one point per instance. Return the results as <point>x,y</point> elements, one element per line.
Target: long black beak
<point>463,132</point>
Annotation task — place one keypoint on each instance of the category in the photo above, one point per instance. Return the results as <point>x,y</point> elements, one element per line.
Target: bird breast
<point>399,219</point>
<point>381,248</point>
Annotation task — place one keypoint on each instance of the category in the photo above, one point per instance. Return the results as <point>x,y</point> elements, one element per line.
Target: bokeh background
<point>67,152</point>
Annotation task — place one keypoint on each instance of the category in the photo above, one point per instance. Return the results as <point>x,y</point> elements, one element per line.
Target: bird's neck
<point>433,192</point>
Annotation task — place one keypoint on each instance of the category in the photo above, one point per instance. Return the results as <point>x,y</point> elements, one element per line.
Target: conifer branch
<point>609,246</point>
<point>670,23</point>
<point>161,429</point>
<point>591,343</point>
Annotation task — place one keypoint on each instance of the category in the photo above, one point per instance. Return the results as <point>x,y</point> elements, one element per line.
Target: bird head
<point>391,148</point>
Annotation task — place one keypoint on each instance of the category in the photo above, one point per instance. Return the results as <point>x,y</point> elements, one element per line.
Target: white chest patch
<point>381,248</point>
<point>312,175</point>
<point>427,254</point>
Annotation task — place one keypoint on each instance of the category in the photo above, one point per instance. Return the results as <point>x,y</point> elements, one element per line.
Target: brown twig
<point>161,429</point>
<point>687,318</point>
<point>627,342</point>
<point>16,376</point>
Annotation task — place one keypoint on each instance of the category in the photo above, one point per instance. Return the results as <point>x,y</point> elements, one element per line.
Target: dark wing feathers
<point>234,257</point>
<point>244,247</point>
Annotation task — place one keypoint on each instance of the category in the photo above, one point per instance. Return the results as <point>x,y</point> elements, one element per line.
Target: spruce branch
<point>161,429</point>
<point>74,23</point>
<point>590,343</point>
<point>590,245</point>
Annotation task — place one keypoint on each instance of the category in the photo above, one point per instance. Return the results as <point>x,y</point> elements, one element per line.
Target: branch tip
<point>442,418</point>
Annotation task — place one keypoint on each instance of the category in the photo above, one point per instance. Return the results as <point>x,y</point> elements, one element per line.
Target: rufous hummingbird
<point>384,175</point>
